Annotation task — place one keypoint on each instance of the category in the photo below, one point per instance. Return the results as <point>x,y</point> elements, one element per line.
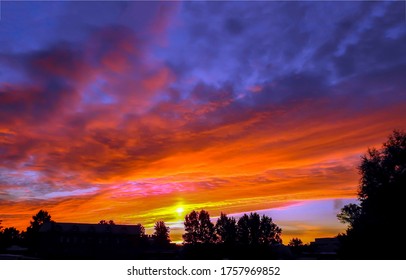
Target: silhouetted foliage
<point>161,233</point>
<point>243,232</point>
<point>270,233</point>
<point>206,228</point>
<point>349,214</point>
<point>295,242</point>
<point>192,225</point>
<point>254,223</point>
<point>297,248</point>
<point>31,235</point>
<point>226,229</point>
<point>39,219</point>
<point>142,231</point>
<point>198,228</point>
<point>381,195</point>
<point>252,237</point>
<point>254,230</point>
<point>9,236</point>
<point>104,222</point>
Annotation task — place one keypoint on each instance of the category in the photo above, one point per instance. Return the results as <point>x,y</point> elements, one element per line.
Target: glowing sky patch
<point>144,111</point>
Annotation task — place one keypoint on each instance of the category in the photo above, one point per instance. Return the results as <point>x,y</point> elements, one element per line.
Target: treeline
<point>11,236</point>
<point>250,229</point>
<point>250,237</point>
<point>228,237</point>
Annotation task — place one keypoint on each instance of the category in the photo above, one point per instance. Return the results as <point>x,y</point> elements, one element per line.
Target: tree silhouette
<point>295,242</point>
<point>161,233</point>
<point>253,230</point>
<point>254,224</point>
<point>381,194</point>
<point>191,228</point>
<point>198,228</point>
<point>104,222</point>
<point>226,229</point>
<point>142,231</point>
<point>206,228</point>
<point>243,232</point>
<point>270,232</point>
<point>9,236</point>
<point>39,219</point>
<point>31,235</point>
<point>349,214</point>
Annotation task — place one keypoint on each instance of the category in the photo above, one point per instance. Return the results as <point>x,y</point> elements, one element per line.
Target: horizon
<point>330,207</point>
<point>144,111</point>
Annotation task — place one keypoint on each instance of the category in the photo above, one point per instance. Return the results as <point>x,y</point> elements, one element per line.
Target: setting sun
<point>180,210</point>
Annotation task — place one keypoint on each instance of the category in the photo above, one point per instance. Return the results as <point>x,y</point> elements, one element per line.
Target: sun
<point>180,210</point>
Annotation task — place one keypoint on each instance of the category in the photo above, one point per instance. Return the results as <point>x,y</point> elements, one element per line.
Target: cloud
<point>78,192</point>
<point>130,110</point>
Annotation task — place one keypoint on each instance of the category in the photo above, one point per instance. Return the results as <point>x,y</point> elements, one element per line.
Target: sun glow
<point>180,210</point>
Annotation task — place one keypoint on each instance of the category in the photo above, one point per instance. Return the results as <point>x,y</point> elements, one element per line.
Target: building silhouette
<point>90,241</point>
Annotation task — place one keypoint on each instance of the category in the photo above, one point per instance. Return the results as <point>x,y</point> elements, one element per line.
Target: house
<point>324,248</point>
<point>90,241</point>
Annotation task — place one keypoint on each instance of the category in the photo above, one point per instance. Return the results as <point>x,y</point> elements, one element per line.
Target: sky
<point>144,111</point>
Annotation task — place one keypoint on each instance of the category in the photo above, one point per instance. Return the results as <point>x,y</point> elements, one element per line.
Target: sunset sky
<point>144,111</point>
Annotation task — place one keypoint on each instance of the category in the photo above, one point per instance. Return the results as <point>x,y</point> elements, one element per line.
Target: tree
<point>254,223</point>
<point>226,229</point>
<point>253,230</point>
<point>198,228</point>
<point>161,234</point>
<point>349,214</point>
<point>141,234</point>
<point>381,195</point>
<point>206,228</point>
<point>31,235</point>
<point>104,222</point>
<point>243,233</point>
<point>270,232</point>
<point>39,219</point>
<point>191,228</point>
<point>295,242</point>
<point>9,236</point>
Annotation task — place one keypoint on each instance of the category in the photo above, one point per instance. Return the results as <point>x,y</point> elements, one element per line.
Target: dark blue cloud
<point>262,42</point>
